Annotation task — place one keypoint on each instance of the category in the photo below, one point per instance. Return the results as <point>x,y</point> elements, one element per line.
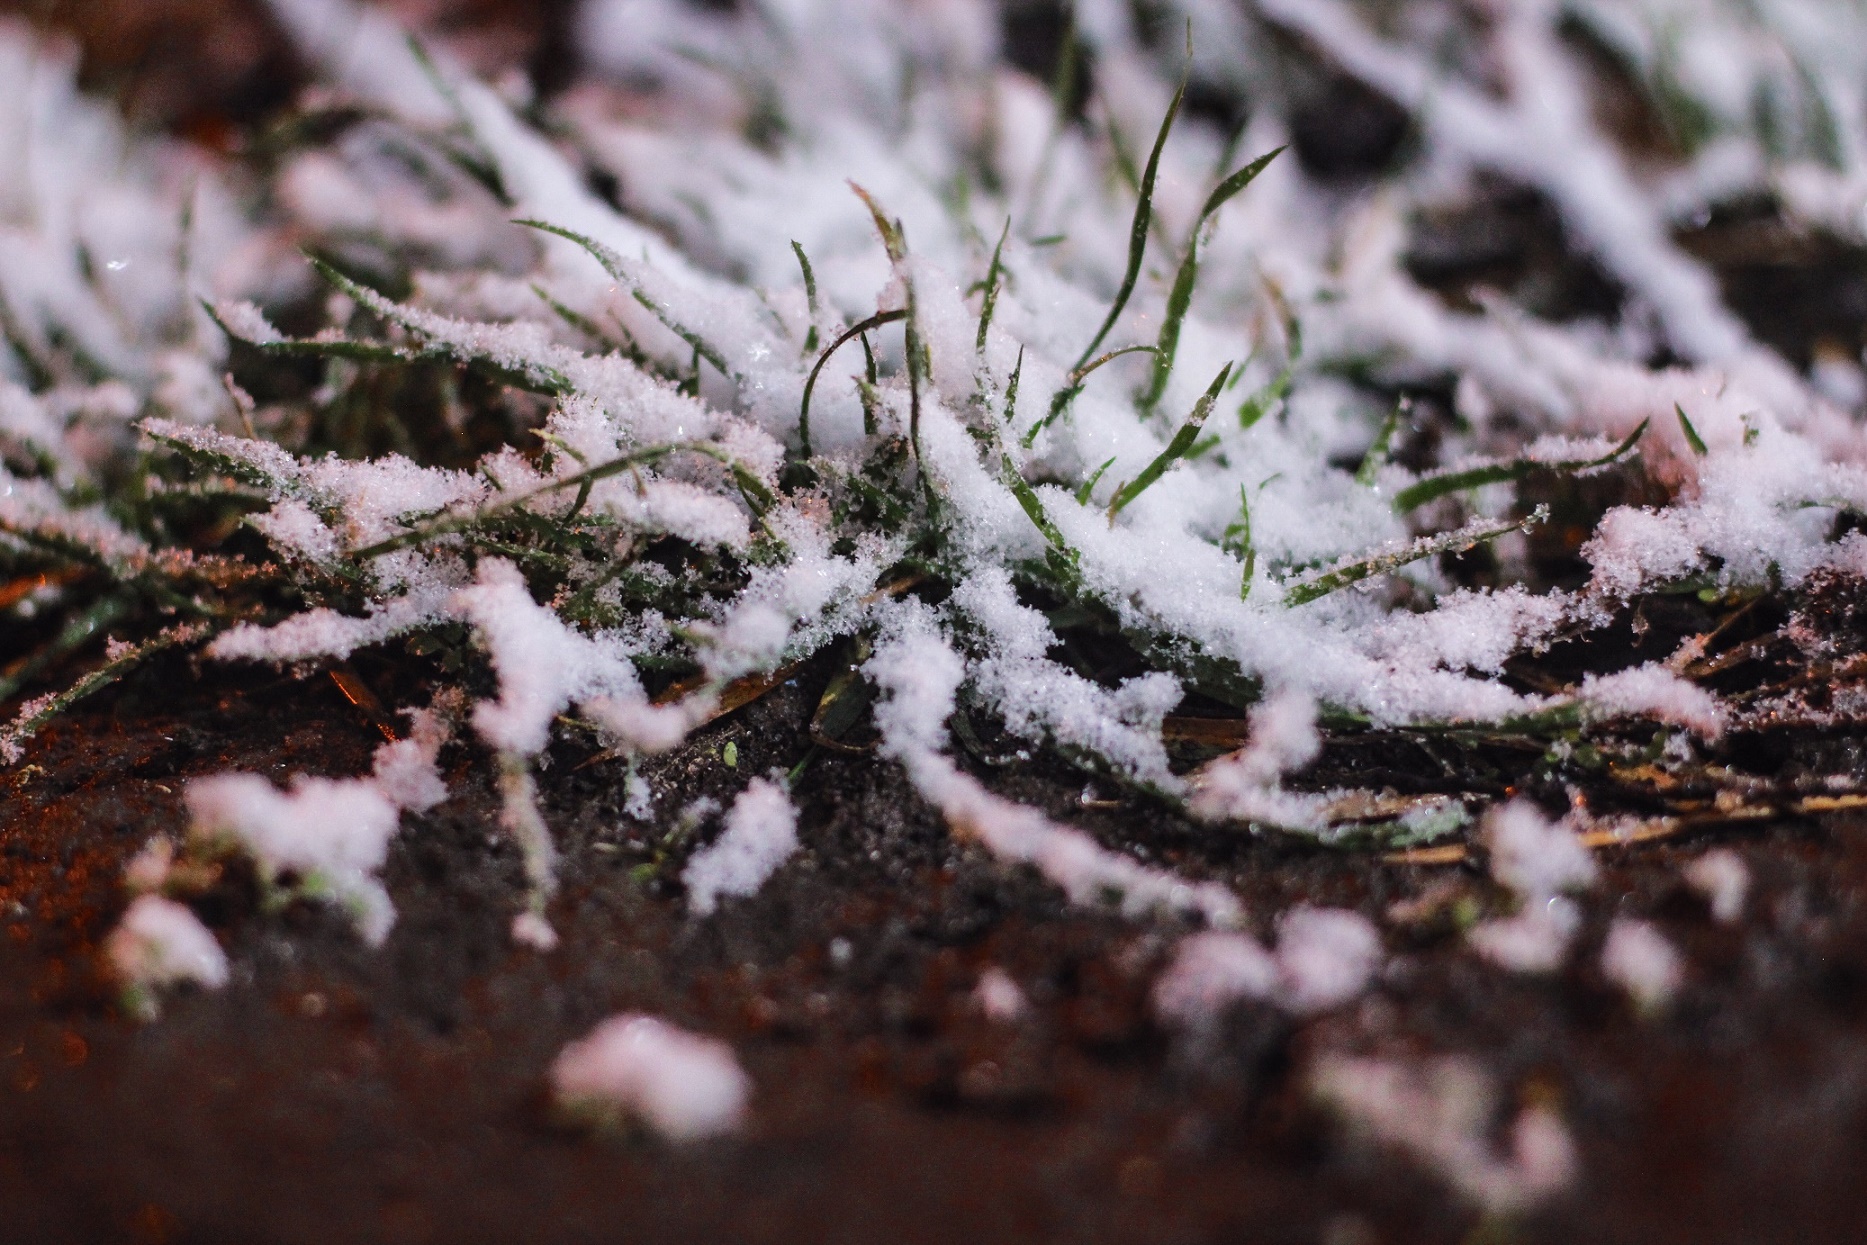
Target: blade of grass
<point>1258,405</point>
<point>861,330</point>
<point>992,274</point>
<point>1088,487</point>
<point>613,265</point>
<point>1436,486</point>
<point>1073,385</point>
<point>1376,457</point>
<point>1237,541</point>
<point>36,713</point>
<point>449,524</point>
<point>1691,434</point>
<point>1176,449</point>
<point>1137,231</point>
<point>810,295</point>
<point>1341,576</point>
<point>527,375</point>
<point>1180,299</point>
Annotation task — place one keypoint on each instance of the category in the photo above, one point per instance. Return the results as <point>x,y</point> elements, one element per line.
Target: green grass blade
<point>1342,575</point>
<point>1180,299</point>
<point>1691,434</point>
<point>311,348</point>
<point>1073,385</point>
<point>36,713</point>
<point>1029,501</point>
<point>1137,231</point>
<point>1376,457</point>
<point>1259,404</point>
<point>992,274</point>
<point>1176,449</point>
<point>448,524</point>
<point>527,375</point>
<point>1088,486</point>
<point>1237,540</point>
<point>612,264</point>
<point>1434,487</point>
<point>810,384</point>
<point>810,295</point>
<point>893,240</point>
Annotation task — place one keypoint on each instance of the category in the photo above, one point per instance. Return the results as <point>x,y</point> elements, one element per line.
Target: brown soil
<point>333,1093</point>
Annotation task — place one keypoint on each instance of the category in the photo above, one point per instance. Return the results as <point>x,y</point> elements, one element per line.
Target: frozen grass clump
<point>327,837</point>
<point>161,943</point>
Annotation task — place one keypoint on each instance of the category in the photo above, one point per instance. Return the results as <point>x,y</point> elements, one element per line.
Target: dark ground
<point>332,1093</point>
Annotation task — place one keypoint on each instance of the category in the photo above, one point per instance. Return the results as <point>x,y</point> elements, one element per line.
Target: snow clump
<point>1639,959</point>
<point>162,943</point>
<point>1439,1112</point>
<point>1538,860</point>
<point>1325,957</point>
<point>1722,877</point>
<point>761,834</point>
<point>684,1086</point>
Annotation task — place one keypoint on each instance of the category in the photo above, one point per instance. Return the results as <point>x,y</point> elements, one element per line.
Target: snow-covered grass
<point>870,345</point>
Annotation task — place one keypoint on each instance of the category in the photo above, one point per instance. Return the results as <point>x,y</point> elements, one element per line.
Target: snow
<point>1656,692</point>
<point>1724,879</point>
<point>684,1086</point>
<point>106,337</point>
<point>1533,856</point>
<point>760,835</point>
<point>161,943</point>
<point>1639,959</point>
<point>404,769</point>
<point>919,675</point>
<point>1439,1112</point>
<point>1538,860</point>
<point>333,833</point>
<point>1246,785</point>
<point>1209,972</point>
<point>998,996</point>
<point>1535,940</point>
<point>1325,957</point>
<point>543,664</point>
